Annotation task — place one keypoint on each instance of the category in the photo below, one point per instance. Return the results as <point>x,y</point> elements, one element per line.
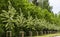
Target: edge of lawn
<point>49,35</point>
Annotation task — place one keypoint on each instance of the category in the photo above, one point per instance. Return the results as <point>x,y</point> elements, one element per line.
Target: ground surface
<point>50,35</point>
<point>57,36</point>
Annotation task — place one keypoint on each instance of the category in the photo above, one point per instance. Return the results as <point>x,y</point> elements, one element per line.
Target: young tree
<point>7,17</point>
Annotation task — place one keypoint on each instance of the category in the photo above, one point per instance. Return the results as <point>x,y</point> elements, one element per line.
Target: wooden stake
<point>9,33</point>
<point>37,33</point>
<point>22,33</point>
<point>30,33</point>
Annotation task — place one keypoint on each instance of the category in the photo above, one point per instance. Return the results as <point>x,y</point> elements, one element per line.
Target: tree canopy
<point>19,15</point>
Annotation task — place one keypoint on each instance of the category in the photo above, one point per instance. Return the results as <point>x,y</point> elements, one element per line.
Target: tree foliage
<point>22,15</point>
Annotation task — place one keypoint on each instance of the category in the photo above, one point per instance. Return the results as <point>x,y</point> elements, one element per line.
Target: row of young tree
<point>20,15</point>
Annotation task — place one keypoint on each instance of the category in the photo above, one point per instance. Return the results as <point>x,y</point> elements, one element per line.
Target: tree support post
<point>37,33</point>
<point>30,33</point>
<point>9,34</point>
<point>22,34</point>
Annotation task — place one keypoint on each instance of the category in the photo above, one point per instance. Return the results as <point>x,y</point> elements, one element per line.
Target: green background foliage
<point>21,15</point>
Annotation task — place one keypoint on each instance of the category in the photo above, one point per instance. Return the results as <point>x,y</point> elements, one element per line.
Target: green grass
<point>49,35</point>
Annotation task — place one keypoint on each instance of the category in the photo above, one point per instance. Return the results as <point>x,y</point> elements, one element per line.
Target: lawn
<point>49,35</point>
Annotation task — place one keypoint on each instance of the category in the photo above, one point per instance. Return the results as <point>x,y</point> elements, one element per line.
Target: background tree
<point>43,4</point>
